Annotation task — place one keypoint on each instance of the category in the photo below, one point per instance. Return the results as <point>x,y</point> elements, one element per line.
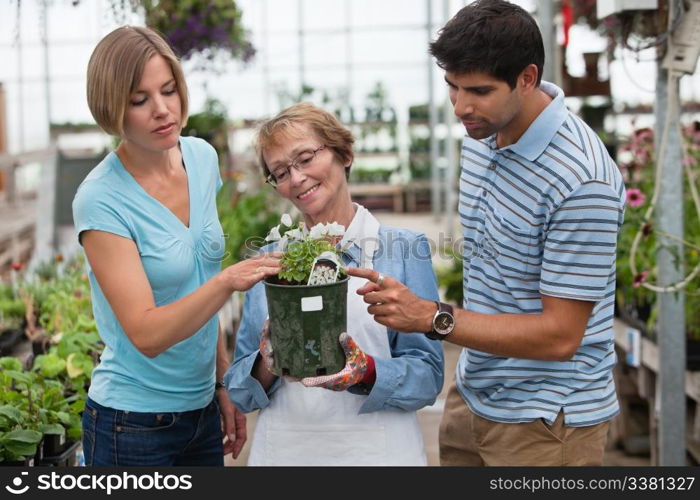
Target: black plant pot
<point>9,339</point>
<point>692,356</point>
<point>67,458</point>
<point>27,462</point>
<point>54,444</point>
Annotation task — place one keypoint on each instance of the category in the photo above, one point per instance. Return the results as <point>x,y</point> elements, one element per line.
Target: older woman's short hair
<point>115,70</point>
<point>325,125</point>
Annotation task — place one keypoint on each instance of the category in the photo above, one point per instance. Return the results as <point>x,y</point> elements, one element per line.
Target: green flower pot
<point>305,323</point>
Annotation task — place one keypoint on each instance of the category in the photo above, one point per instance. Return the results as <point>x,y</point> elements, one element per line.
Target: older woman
<point>366,415</point>
<point>146,217</point>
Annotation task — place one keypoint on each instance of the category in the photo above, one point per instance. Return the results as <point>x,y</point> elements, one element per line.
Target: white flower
<point>335,229</point>
<point>287,220</point>
<point>274,234</point>
<point>294,234</point>
<point>318,231</point>
<point>282,244</point>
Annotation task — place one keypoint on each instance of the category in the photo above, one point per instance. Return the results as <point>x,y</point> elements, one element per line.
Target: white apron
<point>315,426</point>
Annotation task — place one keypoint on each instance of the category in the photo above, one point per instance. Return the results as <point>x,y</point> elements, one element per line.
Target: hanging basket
<point>305,323</point>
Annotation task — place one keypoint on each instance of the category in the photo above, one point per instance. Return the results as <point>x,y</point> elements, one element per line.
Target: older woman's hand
<point>246,273</point>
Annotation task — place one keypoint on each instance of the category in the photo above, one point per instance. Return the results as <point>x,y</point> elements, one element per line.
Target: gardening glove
<point>266,349</point>
<point>357,368</point>
<point>266,356</point>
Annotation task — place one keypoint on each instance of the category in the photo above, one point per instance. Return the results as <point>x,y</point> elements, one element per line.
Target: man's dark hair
<point>490,36</point>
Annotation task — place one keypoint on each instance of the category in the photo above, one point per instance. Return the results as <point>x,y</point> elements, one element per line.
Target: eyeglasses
<point>303,160</point>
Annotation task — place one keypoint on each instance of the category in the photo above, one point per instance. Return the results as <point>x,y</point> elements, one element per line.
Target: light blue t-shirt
<point>177,260</point>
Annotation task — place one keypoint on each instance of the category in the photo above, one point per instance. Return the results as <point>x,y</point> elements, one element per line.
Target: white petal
<point>282,244</point>
<point>294,234</point>
<point>318,231</point>
<point>287,220</point>
<point>335,229</point>
<point>274,234</point>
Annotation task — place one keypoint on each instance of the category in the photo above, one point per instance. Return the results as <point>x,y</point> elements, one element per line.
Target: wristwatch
<point>219,385</point>
<point>443,322</point>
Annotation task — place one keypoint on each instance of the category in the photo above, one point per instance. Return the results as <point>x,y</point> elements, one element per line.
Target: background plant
<point>636,160</point>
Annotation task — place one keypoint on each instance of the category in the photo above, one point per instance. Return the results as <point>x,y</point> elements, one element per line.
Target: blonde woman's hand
<point>246,273</point>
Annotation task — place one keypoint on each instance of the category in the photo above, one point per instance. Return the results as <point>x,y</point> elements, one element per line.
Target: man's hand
<point>392,304</point>
<point>233,424</point>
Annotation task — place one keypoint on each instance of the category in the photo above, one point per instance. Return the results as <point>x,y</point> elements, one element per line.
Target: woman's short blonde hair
<point>115,70</point>
<point>325,125</point>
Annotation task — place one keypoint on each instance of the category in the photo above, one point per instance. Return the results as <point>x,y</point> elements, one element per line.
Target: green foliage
<point>636,303</point>
<point>299,258</point>
<point>370,175</point>
<point>211,124</point>
<point>11,309</point>
<point>451,278</point>
<point>49,397</point>
<point>245,220</point>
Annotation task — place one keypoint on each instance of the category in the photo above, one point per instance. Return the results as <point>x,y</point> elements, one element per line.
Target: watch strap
<point>441,307</point>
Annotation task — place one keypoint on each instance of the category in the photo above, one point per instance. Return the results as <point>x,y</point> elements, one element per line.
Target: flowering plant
<point>635,301</point>
<point>203,27</point>
<point>310,257</point>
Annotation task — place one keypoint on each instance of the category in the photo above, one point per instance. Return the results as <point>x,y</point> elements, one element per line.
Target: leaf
<point>50,365</point>
<point>74,369</point>
<point>56,429</point>
<point>11,413</point>
<point>23,436</point>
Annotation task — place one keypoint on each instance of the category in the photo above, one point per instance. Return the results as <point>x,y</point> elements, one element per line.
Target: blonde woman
<point>146,218</point>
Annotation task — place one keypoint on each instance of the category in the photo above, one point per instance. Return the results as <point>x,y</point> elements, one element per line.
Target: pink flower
<point>640,278</point>
<point>635,198</point>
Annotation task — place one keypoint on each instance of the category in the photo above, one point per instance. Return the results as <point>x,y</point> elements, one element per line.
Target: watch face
<point>444,322</point>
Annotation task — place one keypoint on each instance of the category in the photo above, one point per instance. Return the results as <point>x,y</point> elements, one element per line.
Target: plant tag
<point>324,269</point>
<point>309,304</point>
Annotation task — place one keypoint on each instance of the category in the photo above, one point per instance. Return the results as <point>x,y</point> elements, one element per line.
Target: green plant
<point>211,124</point>
<point>451,278</point>
<point>245,220</point>
<point>302,247</point>
<point>12,309</point>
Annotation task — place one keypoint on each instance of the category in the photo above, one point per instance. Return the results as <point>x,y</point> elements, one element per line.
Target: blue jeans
<point>119,437</point>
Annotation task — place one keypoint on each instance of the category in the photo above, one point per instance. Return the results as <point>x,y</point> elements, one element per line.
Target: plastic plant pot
<point>305,323</point>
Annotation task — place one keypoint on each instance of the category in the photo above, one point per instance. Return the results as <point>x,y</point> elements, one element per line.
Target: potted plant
<point>307,300</point>
<point>11,319</point>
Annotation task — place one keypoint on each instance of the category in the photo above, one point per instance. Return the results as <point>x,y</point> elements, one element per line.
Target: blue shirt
<point>177,260</point>
<point>541,217</point>
<point>410,380</point>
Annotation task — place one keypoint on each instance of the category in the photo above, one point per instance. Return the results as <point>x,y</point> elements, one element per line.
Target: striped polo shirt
<point>541,217</point>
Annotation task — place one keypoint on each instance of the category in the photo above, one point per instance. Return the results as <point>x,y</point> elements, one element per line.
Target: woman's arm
<point>118,269</point>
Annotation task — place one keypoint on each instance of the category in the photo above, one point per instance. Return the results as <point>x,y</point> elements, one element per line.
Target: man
<point>541,204</point>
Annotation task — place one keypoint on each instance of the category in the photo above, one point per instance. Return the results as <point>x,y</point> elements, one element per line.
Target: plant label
<point>309,304</point>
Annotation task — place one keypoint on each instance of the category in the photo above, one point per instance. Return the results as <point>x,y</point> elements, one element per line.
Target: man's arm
<point>552,335</point>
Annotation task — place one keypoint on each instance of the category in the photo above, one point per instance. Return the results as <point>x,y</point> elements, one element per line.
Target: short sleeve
<point>94,210</point>
<point>581,242</point>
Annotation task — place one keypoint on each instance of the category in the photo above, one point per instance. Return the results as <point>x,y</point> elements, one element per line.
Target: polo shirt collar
<point>541,131</point>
